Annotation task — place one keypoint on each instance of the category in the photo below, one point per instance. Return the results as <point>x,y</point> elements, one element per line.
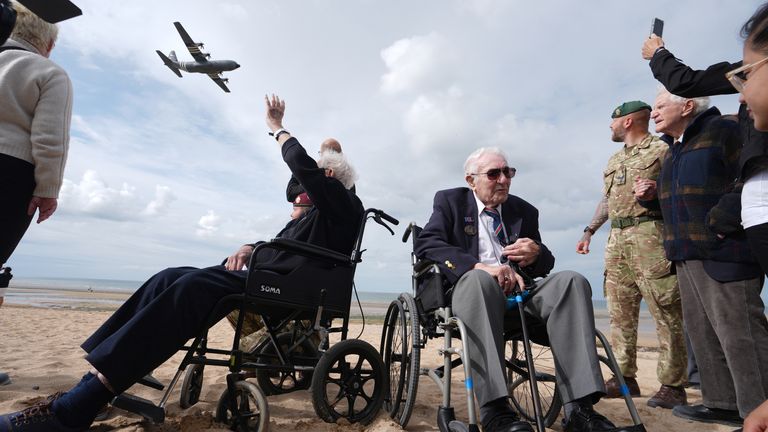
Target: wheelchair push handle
<point>412,227</point>
<point>386,217</point>
<point>378,215</point>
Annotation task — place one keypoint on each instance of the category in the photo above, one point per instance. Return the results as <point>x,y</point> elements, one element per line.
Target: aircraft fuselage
<point>212,66</point>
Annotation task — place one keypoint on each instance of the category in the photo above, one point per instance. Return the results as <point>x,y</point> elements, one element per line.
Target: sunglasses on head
<point>493,174</point>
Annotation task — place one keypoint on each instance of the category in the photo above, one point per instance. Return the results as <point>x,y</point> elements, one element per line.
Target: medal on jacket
<point>469,226</point>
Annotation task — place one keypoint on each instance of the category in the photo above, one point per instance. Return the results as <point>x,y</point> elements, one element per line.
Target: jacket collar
<point>699,122</point>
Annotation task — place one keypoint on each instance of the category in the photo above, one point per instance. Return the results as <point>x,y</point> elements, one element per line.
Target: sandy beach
<point>42,354</point>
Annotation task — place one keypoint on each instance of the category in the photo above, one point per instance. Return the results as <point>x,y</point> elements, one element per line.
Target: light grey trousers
<point>562,302</point>
<point>729,335</point>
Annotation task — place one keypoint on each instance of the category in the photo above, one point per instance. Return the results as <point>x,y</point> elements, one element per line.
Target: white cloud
<point>93,196</point>
<point>438,120</point>
<point>416,62</point>
<point>163,199</point>
<point>208,224</point>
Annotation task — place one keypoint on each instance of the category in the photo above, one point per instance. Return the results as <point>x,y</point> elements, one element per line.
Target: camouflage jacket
<point>642,160</point>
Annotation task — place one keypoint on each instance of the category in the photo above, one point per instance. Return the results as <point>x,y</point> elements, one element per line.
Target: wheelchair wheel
<point>192,385</point>
<point>401,353</point>
<point>250,412</point>
<point>519,386</point>
<point>275,382</point>
<point>348,382</point>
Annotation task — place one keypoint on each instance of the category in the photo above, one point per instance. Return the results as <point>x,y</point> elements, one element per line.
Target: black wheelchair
<point>347,379</point>
<point>413,319</point>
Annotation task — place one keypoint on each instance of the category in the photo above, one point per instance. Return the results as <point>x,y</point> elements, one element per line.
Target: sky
<point>166,171</point>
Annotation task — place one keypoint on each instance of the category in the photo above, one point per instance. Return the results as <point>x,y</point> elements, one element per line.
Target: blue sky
<point>167,172</point>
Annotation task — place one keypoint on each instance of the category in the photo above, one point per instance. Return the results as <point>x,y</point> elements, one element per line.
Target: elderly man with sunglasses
<point>480,236</point>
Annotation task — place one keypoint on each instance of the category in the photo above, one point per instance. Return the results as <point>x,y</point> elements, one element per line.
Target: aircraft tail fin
<point>172,55</point>
<point>170,62</point>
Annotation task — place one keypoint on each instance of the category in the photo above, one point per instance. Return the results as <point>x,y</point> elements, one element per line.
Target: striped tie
<point>497,229</point>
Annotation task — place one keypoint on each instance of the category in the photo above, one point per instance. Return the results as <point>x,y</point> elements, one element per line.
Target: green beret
<point>629,108</point>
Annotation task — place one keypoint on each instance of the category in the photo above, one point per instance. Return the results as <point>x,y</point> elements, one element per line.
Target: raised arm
<point>680,79</point>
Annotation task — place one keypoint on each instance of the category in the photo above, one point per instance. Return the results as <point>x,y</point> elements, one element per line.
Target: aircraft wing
<point>192,46</point>
<point>219,81</point>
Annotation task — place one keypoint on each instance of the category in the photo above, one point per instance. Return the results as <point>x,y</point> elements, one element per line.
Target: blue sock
<point>79,406</point>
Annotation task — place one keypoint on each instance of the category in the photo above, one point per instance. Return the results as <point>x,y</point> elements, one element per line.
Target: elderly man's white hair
<point>471,164</point>
<point>342,170</point>
<point>700,104</point>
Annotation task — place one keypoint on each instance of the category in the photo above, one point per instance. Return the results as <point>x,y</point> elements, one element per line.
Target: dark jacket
<point>333,222</point>
<point>450,236</point>
<point>695,174</point>
<point>683,81</point>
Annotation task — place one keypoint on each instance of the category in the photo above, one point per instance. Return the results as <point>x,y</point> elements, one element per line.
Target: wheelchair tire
<point>519,387</point>
<point>275,382</point>
<point>252,413</point>
<point>349,382</point>
<point>192,385</point>
<point>401,354</point>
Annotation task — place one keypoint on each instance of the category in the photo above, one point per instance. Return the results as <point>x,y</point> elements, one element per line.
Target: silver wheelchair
<point>414,318</point>
<point>347,379</point>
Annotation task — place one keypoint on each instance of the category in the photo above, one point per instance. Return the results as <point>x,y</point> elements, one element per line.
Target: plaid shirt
<point>695,174</point>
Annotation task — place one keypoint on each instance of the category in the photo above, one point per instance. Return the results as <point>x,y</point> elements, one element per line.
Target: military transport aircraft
<point>213,68</point>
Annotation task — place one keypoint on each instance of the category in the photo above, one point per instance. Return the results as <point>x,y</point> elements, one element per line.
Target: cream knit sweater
<point>35,113</point>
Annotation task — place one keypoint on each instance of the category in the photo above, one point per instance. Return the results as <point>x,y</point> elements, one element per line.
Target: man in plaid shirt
<point>719,279</point>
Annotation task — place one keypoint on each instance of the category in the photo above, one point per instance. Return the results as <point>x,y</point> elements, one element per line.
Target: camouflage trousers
<point>254,331</point>
<point>636,268</point>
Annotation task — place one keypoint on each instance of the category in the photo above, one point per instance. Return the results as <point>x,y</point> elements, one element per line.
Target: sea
<point>70,293</point>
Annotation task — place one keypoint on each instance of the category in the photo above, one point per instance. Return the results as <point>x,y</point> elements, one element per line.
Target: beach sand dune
<point>41,351</point>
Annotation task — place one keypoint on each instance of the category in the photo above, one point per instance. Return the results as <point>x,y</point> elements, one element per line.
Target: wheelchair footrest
<point>140,406</point>
<point>150,381</point>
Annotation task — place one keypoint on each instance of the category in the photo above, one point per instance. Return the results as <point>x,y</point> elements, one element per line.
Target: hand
<point>582,247</point>
<point>505,276</point>
<point>46,206</point>
<point>644,189</point>
<point>275,112</point>
<point>239,259</point>
<point>524,251</point>
<point>651,45</point>
<point>757,420</point>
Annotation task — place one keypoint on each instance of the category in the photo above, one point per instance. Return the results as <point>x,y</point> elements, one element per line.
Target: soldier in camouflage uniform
<point>635,262</point>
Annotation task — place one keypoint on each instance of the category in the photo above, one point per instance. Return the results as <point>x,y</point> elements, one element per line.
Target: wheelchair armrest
<point>304,249</point>
<point>422,265</point>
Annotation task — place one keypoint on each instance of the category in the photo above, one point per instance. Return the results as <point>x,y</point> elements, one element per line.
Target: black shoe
<point>700,413</point>
<point>500,417</point>
<point>37,418</point>
<point>583,419</point>
<point>506,423</point>
<point>5,379</point>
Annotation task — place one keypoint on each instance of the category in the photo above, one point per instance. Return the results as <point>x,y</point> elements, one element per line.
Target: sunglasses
<point>738,77</point>
<point>494,174</point>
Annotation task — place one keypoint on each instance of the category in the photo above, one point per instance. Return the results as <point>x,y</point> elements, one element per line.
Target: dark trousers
<point>757,236</point>
<point>17,182</point>
<point>169,309</point>
<point>729,335</point>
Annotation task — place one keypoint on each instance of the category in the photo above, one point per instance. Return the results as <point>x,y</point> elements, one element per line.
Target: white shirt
<point>489,247</point>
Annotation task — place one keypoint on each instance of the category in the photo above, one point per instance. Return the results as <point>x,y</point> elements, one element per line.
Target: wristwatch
<point>589,230</point>
<point>277,133</point>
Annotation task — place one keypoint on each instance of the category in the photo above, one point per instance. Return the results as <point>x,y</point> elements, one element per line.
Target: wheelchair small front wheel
<point>348,382</point>
<point>192,385</point>
<point>245,410</point>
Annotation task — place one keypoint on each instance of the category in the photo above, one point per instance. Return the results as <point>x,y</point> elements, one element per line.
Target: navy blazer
<point>450,237</point>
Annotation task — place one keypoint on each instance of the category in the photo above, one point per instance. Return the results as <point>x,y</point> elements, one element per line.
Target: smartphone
<point>658,27</point>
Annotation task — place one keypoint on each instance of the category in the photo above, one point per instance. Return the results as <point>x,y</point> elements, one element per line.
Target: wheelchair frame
<point>399,406</point>
<point>243,405</point>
